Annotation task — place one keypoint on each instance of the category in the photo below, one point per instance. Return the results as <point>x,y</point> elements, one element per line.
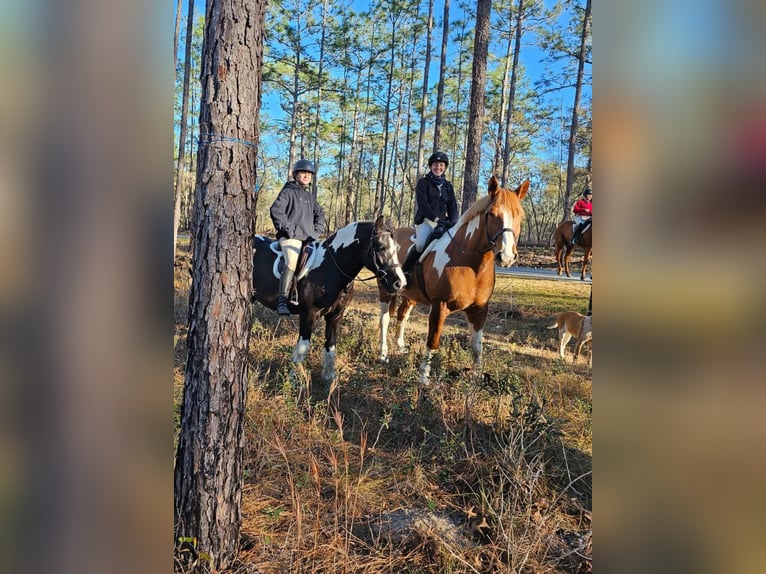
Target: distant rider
<point>435,207</point>
<point>583,212</point>
<point>297,217</point>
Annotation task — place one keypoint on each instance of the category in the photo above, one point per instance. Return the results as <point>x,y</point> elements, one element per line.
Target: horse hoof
<point>383,359</point>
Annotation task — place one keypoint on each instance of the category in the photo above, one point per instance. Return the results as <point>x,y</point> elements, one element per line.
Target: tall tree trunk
<point>176,34</point>
<point>512,95</point>
<point>182,135</point>
<point>424,100</point>
<point>380,185</point>
<point>319,98</point>
<point>457,181</point>
<point>407,182</point>
<point>575,106</point>
<point>208,466</point>
<point>296,101</point>
<point>442,76</point>
<point>496,164</point>
<point>349,215</point>
<point>476,108</point>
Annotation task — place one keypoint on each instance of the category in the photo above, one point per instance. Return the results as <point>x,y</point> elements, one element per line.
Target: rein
<point>374,264</point>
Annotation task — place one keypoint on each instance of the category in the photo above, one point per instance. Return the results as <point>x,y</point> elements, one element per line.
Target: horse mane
<point>476,209</point>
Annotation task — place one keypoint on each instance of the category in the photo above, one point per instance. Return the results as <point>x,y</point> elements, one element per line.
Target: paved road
<point>532,273</point>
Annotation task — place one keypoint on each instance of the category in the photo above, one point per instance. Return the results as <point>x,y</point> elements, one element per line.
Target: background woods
<point>365,89</point>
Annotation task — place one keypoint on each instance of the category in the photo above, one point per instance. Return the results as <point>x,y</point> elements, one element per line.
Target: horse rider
<point>436,207</point>
<point>583,212</point>
<point>297,217</point>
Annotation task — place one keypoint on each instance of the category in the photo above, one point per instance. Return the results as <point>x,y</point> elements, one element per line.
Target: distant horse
<point>325,283</point>
<point>561,236</point>
<point>457,271</point>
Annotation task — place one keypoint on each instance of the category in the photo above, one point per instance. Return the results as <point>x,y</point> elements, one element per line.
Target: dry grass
<point>491,474</point>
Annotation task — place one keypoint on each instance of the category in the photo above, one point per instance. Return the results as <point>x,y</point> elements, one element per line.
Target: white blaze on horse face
<point>391,248</point>
<point>507,255</point>
<point>301,350</point>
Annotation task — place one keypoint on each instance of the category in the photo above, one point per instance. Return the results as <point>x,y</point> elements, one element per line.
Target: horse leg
<point>585,259</point>
<point>436,319</point>
<point>383,321</point>
<point>559,253</point>
<point>298,375</point>
<point>332,327</point>
<point>402,316</point>
<point>477,316</point>
<point>567,255</point>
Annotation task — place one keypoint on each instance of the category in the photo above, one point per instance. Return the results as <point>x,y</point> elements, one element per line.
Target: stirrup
<point>282,308</point>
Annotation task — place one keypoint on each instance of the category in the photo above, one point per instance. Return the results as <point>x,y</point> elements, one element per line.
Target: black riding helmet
<point>304,165</point>
<point>438,156</point>
<point>587,191</point>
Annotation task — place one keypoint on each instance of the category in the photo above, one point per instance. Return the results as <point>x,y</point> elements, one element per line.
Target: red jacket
<point>583,207</point>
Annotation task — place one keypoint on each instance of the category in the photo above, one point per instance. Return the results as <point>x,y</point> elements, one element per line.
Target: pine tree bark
<point>208,466</point>
<point>573,126</point>
<point>476,108</point>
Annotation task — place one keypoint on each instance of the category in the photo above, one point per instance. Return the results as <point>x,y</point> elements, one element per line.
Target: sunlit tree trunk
<point>182,135</point>
<point>442,75</point>
<point>512,95</point>
<point>424,99</point>
<point>176,34</point>
<point>319,96</point>
<point>476,108</point>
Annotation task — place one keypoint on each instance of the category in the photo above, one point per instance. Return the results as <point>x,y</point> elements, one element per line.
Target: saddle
<point>579,229</point>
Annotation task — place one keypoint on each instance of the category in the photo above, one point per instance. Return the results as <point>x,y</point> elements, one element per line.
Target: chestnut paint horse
<point>457,271</point>
<point>561,236</point>
<point>326,282</point>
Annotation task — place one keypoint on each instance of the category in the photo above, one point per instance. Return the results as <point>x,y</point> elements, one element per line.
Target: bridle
<point>492,238</point>
<point>380,272</point>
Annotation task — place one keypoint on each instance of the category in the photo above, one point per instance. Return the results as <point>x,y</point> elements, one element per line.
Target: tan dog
<point>572,324</point>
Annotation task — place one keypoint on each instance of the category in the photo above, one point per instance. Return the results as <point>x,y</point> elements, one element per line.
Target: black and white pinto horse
<point>326,281</point>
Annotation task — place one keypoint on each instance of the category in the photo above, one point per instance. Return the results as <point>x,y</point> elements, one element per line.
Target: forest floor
<point>490,472</point>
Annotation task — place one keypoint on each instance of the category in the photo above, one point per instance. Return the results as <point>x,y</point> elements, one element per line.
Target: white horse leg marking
<point>425,368</point>
<point>477,337</point>
<point>298,375</point>
<point>301,350</point>
<point>400,342</point>
<point>328,372</point>
<point>384,321</point>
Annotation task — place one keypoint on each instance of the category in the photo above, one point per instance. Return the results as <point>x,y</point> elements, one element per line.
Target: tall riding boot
<point>575,234</point>
<point>412,256</point>
<point>284,288</point>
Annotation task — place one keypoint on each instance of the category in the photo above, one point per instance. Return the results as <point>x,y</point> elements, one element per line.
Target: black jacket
<point>431,202</point>
<point>296,214</point>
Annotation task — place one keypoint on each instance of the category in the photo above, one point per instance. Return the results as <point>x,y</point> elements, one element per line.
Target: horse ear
<point>379,222</point>
<point>492,186</point>
<point>522,190</point>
